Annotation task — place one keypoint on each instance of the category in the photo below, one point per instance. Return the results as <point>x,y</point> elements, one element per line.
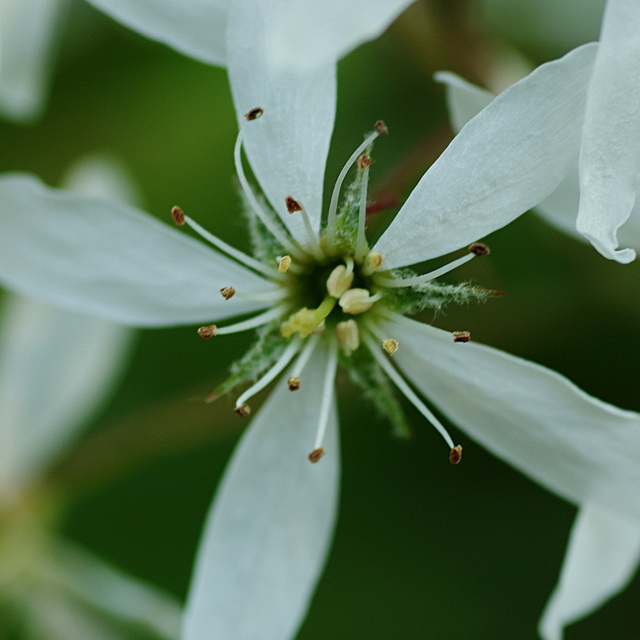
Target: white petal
<point>601,559</point>
<point>27,31</point>
<point>310,33</point>
<point>465,100</point>
<point>287,147</point>
<point>268,533</point>
<point>504,161</point>
<point>55,367</point>
<point>95,584</point>
<point>108,259</point>
<point>610,153</point>
<point>194,27</point>
<point>533,418</point>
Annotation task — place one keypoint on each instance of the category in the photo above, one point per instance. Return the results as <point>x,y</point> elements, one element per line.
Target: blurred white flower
<point>597,197</point>
<point>56,366</point>
<point>270,526</point>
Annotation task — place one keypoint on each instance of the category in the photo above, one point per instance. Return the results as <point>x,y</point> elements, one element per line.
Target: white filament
<point>396,378</point>
<point>327,393</point>
<point>432,275</point>
<point>280,364</point>
<point>251,323</point>
<point>305,354</point>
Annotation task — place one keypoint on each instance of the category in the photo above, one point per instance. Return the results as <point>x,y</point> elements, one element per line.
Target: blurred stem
<point>148,434</point>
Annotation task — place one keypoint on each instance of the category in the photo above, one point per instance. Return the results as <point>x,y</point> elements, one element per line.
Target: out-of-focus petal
<point>268,533</point>
<point>55,366</point>
<point>308,33</point>
<point>194,27</point>
<point>465,100</point>
<point>27,31</point>
<point>610,152</point>
<point>86,579</point>
<point>508,158</point>
<point>287,147</point>
<point>601,559</point>
<point>106,258</point>
<point>533,418</point>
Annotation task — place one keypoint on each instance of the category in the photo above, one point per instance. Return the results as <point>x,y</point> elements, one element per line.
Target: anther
<point>178,216</point>
<point>254,114</point>
<point>228,292</point>
<point>207,332</point>
<point>348,336</point>
<point>461,336</point>
<point>292,204</point>
<point>316,454</point>
<point>293,383</point>
<point>479,249</point>
<point>356,301</point>
<point>284,264</point>
<point>243,410</point>
<point>364,161</point>
<point>339,280</point>
<point>390,346</point>
<point>375,260</point>
<point>455,455</point>
<point>381,127</point>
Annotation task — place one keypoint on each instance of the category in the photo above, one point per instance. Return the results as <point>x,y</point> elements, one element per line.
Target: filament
<point>432,275</point>
<point>327,393</point>
<point>251,323</point>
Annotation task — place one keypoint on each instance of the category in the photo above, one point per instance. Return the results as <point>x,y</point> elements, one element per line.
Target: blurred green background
<point>422,549</point>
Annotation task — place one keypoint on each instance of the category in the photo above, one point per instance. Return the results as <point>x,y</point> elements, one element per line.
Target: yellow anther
<point>356,301</point>
<point>339,281</point>
<point>284,263</point>
<point>375,260</point>
<point>302,321</point>
<point>243,410</point>
<point>390,346</point>
<point>348,336</point>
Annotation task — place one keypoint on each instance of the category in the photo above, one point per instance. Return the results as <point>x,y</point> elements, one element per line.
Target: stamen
<point>280,364</point>
<point>339,280</point>
<point>272,225</point>
<point>254,114</point>
<point>293,206</point>
<point>274,295</point>
<point>178,216</point>
<point>348,336</point>
<point>228,292</point>
<point>476,249</point>
<point>397,379</point>
<point>364,162</point>
<point>251,323</point>
<point>243,410</point>
<point>207,332</point>
<point>304,356</point>
<point>380,128</point>
<point>375,261</point>
<point>241,257</point>
<point>455,455</point>
<point>356,301</point>
<point>293,383</point>
<point>284,264</point>
<point>327,401</point>
<point>390,346</point>
<point>461,336</point>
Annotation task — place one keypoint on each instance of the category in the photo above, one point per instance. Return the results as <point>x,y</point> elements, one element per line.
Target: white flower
<point>601,171</point>
<point>55,368</point>
<point>270,526</point>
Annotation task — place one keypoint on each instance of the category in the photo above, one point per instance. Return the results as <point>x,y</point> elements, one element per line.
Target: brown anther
<point>243,410</point>
<point>284,263</point>
<point>375,260</point>
<point>479,249</point>
<point>461,336</point>
<point>316,454</point>
<point>228,292</point>
<point>292,204</point>
<point>293,383</point>
<point>254,114</point>
<point>207,332</point>
<point>381,127</point>
<point>390,346</point>
<point>364,161</point>
<point>455,455</point>
<point>178,216</point>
